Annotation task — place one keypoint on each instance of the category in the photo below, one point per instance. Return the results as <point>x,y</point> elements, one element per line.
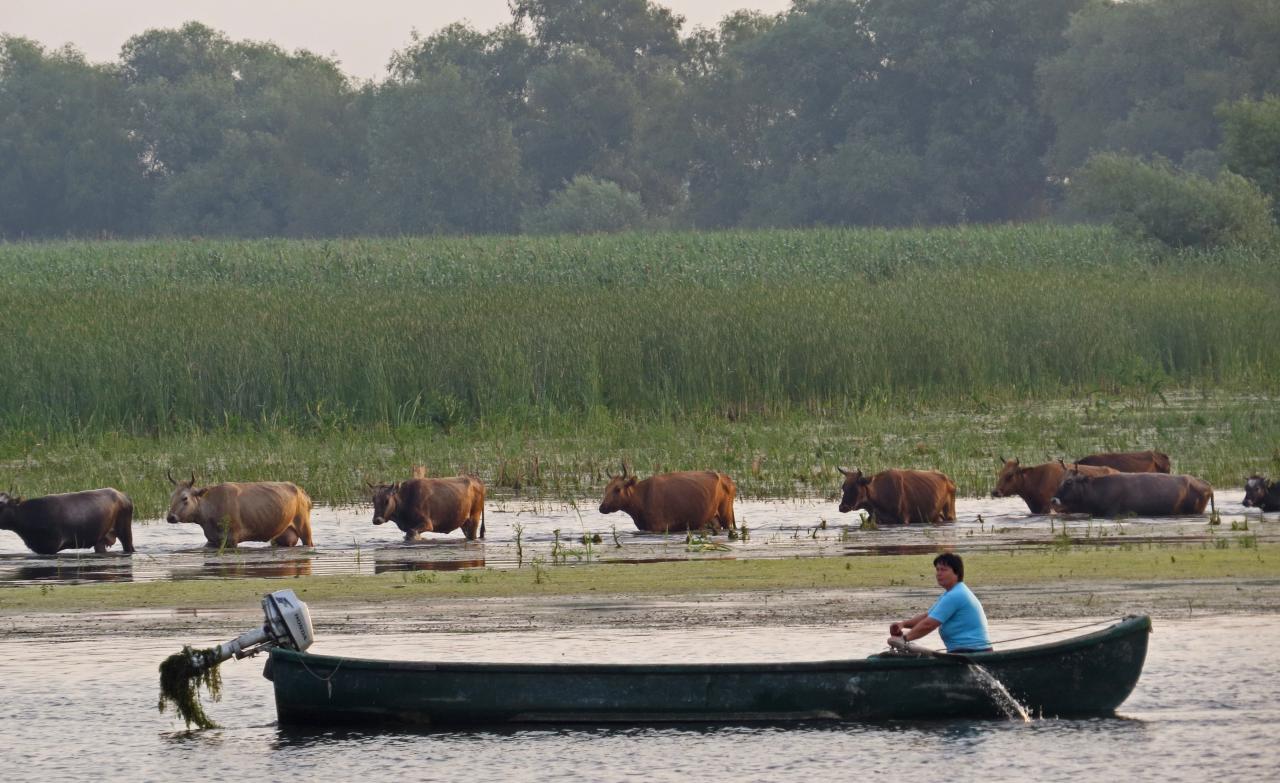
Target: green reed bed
<point>559,458</point>
<point>156,355</point>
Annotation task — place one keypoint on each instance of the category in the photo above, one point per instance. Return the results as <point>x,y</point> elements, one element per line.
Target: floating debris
<point>181,676</point>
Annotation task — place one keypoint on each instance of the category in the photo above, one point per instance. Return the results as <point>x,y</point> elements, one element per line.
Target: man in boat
<point>957,614</point>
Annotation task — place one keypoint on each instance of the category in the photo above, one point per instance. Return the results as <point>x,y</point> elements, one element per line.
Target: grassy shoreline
<point>1157,564</point>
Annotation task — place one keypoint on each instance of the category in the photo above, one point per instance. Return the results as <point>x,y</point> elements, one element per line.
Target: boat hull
<point>1087,675</point>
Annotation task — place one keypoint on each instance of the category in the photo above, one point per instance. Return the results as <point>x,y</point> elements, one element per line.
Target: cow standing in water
<point>684,500</point>
<point>77,520</point>
<point>1143,494</point>
<point>426,505</point>
<point>1038,483</point>
<point>232,513</point>
<point>900,497</point>
<point>1129,461</point>
<point>1262,493</point>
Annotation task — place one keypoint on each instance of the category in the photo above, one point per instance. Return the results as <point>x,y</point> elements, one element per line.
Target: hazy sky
<point>361,34</point>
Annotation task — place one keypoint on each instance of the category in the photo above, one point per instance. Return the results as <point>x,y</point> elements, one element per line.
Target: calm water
<point>348,543</point>
<point>1207,707</point>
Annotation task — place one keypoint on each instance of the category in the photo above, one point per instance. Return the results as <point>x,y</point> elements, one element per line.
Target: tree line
<point>599,114</point>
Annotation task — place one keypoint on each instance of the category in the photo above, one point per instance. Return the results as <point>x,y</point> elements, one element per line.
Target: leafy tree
<point>68,163</point>
<point>442,159</point>
<point>625,32</point>
<point>243,138</point>
<point>1158,201</point>
<point>586,205</point>
<point>1145,76</point>
<point>1251,146</point>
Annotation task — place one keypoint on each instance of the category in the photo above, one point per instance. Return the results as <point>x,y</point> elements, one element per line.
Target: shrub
<point>1251,142</point>
<point>587,205</point>
<point>1179,209</point>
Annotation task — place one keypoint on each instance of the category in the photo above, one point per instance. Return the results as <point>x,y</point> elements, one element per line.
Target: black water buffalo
<point>900,497</point>
<point>77,520</point>
<point>1144,494</point>
<point>1262,493</point>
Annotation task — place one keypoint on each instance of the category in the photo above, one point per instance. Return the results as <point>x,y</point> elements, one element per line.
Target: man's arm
<point>920,625</point>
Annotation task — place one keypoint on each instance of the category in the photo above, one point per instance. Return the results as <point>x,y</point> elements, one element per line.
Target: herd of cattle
<point>1105,485</point>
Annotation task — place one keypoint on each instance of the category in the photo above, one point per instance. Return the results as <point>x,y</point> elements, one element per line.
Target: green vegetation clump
<point>585,206</point>
<point>1156,201</point>
<point>180,681</point>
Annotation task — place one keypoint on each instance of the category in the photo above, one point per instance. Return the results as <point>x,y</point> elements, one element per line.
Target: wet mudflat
<point>81,704</point>
<point>522,532</point>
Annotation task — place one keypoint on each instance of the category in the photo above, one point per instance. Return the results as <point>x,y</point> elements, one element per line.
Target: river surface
<point>79,707</point>
<point>518,532</point>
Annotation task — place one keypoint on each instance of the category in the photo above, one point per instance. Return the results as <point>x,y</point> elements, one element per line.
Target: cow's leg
<point>288,537</point>
<point>412,535</point>
<point>124,530</point>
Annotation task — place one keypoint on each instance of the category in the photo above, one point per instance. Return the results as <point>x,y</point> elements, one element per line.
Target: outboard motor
<point>287,624</point>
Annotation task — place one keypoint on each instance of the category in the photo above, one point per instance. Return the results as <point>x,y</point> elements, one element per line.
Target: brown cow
<point>1129,461</point>
<point>1262,493</point>
<point>233,512</point>
<point>77,520</point>
<point>899,497</point>
<point>423,505</point>
<point>1143,494</point>
<point>685,500</point>
<point>1038,483</point>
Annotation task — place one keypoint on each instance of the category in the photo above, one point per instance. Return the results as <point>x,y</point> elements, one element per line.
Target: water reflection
<point>382,567</point>
<point>273,569</point>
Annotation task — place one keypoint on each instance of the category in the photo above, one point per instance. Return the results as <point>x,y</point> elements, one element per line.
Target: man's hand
<point>895,629</point>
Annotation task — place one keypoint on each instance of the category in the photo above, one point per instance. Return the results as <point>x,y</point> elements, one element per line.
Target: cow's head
<point>7,502</point>
<point>618,492</point>
<point>1073,489</point>
<point>185,499</point>
<point>1009,482</point>
<point>855,492</point>
<point>386,499</point>
<point>1255,490</point>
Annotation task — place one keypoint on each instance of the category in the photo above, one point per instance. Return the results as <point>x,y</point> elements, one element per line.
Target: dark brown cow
<point>1143,494</point>
<point>1129,461</point>
<point>899,497</point>
<point>685,500</point>
<point>77,520</point>
<point>1262,493</point>
<point>1036,484</point>
<point>233,512</point>
<point>423,505</point>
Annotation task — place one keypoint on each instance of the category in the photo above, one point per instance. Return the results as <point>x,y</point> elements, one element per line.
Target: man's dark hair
<point>951,560</point>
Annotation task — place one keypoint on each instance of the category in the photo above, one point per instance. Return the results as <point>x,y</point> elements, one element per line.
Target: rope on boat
<point>327,679</point>
<point>1061,630</point>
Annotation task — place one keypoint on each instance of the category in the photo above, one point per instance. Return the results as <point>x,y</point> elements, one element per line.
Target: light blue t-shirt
<point>964,624</point>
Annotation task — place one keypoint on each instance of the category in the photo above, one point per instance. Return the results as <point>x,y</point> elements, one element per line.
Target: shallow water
<point>348,543</point>
<point>81,707</point>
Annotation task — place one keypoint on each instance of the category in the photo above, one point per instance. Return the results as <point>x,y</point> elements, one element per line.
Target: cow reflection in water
<point>232,513</point>
<point>900,497</point>
<point>426,565</point>
<point>269,569</point>
<point>685,500</point>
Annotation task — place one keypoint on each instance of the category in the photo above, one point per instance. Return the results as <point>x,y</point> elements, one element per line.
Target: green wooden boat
<point>1086,675</point>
